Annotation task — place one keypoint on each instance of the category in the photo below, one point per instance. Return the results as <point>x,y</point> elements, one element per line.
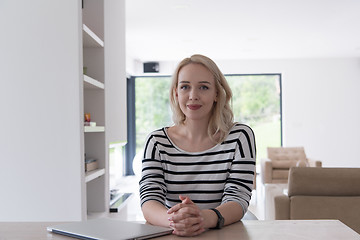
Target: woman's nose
<point>193,95</point>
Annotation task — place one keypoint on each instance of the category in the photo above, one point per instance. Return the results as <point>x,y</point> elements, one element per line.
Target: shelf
<point>119,201</point>
<point>90,83</point>
<point>94,174</point>
<point>90,39</point>
<point>94,129</point>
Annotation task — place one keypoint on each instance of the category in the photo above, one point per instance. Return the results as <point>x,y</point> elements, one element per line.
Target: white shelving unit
<point>90,83</point>
<point>90,39</point>
<point>96,181</point>
<point>104,96</point>
<point>89,129</point>
<point>91,175</point>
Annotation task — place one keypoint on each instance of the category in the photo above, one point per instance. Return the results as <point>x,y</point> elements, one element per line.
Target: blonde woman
<point>198,174</point>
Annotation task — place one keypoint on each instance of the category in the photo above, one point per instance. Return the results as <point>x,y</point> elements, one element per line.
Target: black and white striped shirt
<point>221,174</point>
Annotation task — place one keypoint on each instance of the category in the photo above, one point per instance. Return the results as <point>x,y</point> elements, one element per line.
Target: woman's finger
<point>184,200</point>
<point>187,222</point>
<point>182,230</point>
<point>188,233</point>
<point>184,213</point>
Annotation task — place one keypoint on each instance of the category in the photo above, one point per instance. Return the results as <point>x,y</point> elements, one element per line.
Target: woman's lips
<point>194,106</point>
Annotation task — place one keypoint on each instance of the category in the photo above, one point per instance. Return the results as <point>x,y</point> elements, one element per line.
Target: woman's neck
<point>195,130</point>
<point>191,136</point>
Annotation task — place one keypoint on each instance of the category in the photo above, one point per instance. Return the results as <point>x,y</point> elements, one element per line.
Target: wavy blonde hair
<point>222,118</point>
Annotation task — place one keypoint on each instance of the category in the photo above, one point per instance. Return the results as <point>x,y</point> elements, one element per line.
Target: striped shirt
<point>218,175</point>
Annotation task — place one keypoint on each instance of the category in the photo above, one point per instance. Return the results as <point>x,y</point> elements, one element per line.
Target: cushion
<point>286,164</point>
<point>324,181</point>
<point>286,153</point>
<point>280,173</point>
<point>346,209</point>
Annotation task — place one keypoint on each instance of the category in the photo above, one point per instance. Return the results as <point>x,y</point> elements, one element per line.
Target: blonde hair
<point>221,119</point>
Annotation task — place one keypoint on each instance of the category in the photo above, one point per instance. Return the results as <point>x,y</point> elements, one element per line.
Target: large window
<point>256,102</point>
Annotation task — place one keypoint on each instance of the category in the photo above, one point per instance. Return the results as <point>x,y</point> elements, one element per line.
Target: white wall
<point>115,74</point>
<point>40,68</point>
<point>320,104</point>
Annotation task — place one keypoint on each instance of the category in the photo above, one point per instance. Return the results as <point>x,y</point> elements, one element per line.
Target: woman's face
<point>196,91</point>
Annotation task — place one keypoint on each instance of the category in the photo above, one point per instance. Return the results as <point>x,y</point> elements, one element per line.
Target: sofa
<point>275,168</point>
<point>321,193</point>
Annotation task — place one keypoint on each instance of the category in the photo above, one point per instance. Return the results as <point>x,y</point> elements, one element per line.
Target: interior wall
<point>115,74</point>
<point>320,104</point>
<point>40,69</point>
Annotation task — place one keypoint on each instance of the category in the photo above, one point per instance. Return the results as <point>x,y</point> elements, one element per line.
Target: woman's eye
<point>204,87</point>
<point>184,87</point>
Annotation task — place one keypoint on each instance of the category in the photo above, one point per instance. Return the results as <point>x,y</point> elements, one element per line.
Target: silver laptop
<point>109,229</point>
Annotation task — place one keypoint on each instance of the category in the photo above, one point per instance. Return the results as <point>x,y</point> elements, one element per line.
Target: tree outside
<point>152,108</point>
<point>256,102</point>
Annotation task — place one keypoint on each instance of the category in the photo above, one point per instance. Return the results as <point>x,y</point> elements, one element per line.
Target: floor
<point>132,211</point>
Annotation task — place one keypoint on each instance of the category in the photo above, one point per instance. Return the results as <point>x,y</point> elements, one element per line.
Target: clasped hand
<point>186,219</point>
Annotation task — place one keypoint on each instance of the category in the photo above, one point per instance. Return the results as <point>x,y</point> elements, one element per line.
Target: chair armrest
<point>282,207</point>
<point>266,170</point>
<point>314,163</point>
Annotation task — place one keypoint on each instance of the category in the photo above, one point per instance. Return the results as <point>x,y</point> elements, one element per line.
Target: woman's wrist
<point>210,218</point>
<point>155,213</point>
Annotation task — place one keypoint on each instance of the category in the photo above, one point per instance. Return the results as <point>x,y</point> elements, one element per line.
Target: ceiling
<point>169,30</point>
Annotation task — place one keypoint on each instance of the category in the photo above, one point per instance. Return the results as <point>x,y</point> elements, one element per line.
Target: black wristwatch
<point>221,220</point>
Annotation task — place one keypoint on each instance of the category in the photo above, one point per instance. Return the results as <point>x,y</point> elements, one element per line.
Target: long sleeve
<point>152,185</point>
<point>239,183</point>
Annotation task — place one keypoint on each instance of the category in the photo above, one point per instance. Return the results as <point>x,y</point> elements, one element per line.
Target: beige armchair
<point>321,193</point>
<point>275,168</point>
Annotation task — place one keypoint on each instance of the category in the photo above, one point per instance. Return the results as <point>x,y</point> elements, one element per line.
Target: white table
<point>245,230</point>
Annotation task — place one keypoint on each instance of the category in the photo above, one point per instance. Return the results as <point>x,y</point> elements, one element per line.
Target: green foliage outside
<point>256,102</point>
<point>152,108</point>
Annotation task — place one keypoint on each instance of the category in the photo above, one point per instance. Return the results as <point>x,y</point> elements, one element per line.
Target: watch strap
<point>220,221</point>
